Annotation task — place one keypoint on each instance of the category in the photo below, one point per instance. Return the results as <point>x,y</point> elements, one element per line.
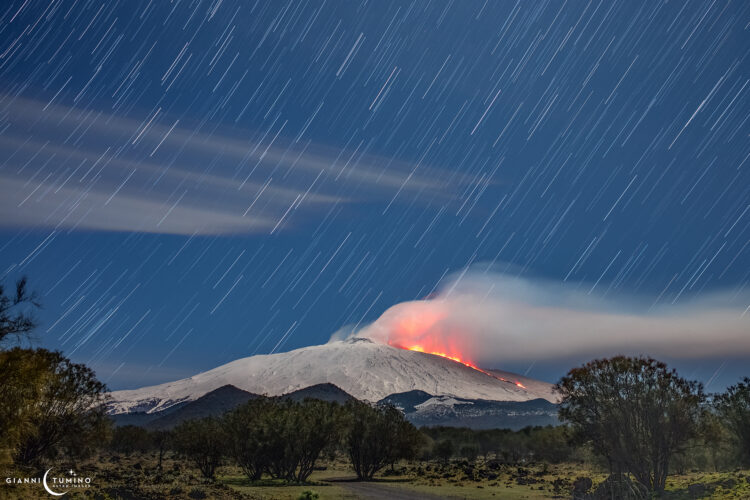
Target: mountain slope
<point>211,404</point>
<point>359,367</point>
<point>422,409</point>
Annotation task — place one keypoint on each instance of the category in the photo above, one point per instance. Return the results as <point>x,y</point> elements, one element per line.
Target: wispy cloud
<point>494,317</point>
<point>70,168</point>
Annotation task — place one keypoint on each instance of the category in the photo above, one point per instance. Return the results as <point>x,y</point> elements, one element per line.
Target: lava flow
<point>457,359</point>
<point>426,326</point>
<point>419,348</point>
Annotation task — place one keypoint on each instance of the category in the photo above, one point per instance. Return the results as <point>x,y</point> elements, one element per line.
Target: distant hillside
<point>423,409</point>
<point>419,407</point>
<point>213,404</point>
<point>324,392</point>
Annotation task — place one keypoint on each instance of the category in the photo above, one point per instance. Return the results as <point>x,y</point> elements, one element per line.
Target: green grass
<point>275,489</point>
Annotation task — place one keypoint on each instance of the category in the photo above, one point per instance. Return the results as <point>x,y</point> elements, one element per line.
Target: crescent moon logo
<point>46,486</point>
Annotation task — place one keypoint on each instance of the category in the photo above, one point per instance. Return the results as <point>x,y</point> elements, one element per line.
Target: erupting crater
<point>431,327</point>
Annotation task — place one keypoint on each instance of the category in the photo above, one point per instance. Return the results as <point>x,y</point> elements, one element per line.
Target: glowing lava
<point>457,359</point>
<point>424,329</point>
<point>419,348</point>
<point>427,326</point>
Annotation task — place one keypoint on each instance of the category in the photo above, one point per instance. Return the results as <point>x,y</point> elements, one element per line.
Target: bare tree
<point>16,318</point>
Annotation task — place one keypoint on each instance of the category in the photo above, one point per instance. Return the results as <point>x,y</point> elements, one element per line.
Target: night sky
<point>186,183</point>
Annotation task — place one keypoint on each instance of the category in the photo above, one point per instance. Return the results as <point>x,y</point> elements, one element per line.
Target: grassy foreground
<point>136,477</point>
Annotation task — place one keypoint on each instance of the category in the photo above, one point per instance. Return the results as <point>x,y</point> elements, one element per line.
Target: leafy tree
<point>249,442</point>
<point>160,440</point>
<point>296,435</point>
<point>129,439</point>
<point>281,437</point>
<point>22,382</point>
<point>514,446</point>
<point>317,427</point>
<point>733,406</point>
<point>16,318</point>
<point>487,443</point>
<point>377,436</point>
<point>201,441</point>
<point>469,451</point>
<point>635,412</point>
<point>550,444</point>
<point>68,410</point>
<point>444,450</point>
<point>407,440</point>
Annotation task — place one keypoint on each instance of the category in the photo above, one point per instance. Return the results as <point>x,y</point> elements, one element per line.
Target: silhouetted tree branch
<point>16,318</point>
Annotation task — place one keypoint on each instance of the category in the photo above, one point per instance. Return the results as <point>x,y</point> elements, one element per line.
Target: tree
<point>160,439</point>
<point>635,412</point>
<point>469,451</point>
<point>733,406</point>
<point>377,436</point>
<point>129,439</point>
<point>444,450</point>
<point>16,318</point>
<point>248,445</point>
<point>22,382</point>
<point>201,441</point>
<point>407,440</point>
<point>296,434</point>
<point>68,409</point>
<point>550,444</point>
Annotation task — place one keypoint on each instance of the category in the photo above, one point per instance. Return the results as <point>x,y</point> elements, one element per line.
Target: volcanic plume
<point>485,319</point>
<point>423,326</point>
<point>426,326</point>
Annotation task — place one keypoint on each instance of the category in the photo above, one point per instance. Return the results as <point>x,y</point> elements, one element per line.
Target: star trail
<point>190,182</point>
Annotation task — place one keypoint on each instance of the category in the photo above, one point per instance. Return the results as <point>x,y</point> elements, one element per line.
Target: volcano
<point>360,367</point>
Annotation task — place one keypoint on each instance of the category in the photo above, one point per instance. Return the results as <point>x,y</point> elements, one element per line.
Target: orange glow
<point>457,359</point>
<point>424,326</point>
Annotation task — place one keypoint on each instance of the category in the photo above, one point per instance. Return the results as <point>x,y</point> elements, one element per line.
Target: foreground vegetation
<point>136,476</point>
<point>633,429</point>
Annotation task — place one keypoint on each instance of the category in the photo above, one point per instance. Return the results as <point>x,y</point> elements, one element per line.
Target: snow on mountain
<point>366,370</point>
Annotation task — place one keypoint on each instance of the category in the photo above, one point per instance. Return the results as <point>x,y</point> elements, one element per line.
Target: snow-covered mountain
<point>365,369</point>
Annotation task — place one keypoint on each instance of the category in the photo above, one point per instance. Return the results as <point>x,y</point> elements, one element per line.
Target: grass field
<point>478,481</point>
<point>136,477</point>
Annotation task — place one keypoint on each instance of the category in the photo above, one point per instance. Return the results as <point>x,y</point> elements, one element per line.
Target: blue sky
<point>188,183</point>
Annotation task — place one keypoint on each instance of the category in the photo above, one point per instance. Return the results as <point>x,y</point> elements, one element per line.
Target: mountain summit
<point>365,369</point>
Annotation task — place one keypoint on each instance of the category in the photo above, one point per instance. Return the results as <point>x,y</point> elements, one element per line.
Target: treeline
<point>283,439</point>
<point>530,444</point>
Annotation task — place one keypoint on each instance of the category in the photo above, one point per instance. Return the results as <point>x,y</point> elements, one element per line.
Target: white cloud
<point>70,168</point>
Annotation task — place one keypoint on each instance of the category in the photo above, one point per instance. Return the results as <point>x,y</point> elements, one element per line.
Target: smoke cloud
<point>493,317</point>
